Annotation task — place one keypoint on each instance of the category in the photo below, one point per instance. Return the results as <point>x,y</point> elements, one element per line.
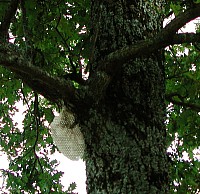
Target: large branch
<point>55,89</point>
<point>185,38</point>
<point>170,98</point>
<point>165,37</point>
<point>6,20</point>
<point>52,88</point>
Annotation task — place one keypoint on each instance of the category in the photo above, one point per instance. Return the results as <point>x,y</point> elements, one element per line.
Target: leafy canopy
<point>54,35</point>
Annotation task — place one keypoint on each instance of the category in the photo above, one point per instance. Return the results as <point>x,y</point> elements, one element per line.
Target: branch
<point>169,98</point>
<point>181,20</point>
<point>164,38</point>
<point>52,88</point>
<point>9,14</point>
<point>113,62</point>
<point>185,38</point>
<point>56,89</point>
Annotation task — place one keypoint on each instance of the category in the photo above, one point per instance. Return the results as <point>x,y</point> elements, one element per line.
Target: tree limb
<point>56,89</point>
<point>146,47</point>
<point>113,62</point>
<point>9,14</point>
<point>185,38</point>
<point>52,88</point>
<point>169,98</point>
<point>181,20</point>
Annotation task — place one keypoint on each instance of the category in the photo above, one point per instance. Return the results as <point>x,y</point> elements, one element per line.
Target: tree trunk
<point>125,132</point>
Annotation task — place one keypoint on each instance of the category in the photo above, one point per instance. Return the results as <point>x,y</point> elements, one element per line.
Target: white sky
<point>74,171</point>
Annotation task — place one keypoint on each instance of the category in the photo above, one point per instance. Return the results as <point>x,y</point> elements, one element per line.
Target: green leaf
<point>48,114</point>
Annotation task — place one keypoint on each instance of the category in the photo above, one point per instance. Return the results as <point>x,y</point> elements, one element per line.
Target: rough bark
<point>162,39</point>
<point>124,126</point>
<point>6,20</point>
<point>56,89</point>
<point>125,132</point>
<point>107,66</point>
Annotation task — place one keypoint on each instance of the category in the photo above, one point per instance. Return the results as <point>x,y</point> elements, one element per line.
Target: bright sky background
<point>74,171</point>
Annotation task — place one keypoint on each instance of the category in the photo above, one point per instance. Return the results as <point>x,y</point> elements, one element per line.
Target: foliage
<point>182,69</point>
<point>55,36</point>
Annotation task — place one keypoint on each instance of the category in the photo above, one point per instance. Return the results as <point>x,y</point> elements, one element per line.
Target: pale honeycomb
<point>67,135</point>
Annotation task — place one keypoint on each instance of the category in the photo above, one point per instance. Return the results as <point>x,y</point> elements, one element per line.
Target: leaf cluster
<point>182,82</point>
<point>55,36</point>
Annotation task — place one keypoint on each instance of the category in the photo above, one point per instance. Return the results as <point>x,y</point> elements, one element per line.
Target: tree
<point>120,108</point>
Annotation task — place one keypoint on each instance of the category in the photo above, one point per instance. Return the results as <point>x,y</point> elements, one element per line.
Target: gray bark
<point>121,107</point>
<point>124,132</point>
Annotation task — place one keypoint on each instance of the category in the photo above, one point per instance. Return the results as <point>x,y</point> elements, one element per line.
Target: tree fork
<point>125,132</point>
<point>110,62</point>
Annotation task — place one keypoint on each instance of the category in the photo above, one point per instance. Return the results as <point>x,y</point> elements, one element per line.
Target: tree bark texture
<point>125,132</point>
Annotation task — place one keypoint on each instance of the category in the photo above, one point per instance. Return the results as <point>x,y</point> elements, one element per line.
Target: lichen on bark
<point>125,133</point>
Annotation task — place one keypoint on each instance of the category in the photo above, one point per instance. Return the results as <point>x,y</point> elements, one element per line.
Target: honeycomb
<point>67,135</point>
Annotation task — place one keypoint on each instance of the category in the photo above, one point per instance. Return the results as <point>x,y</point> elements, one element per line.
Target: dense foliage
<point>55,36</point>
